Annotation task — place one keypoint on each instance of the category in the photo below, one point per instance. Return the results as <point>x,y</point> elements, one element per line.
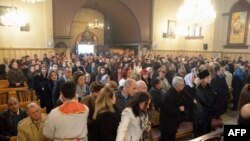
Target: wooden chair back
<point>4,98</point>
<point>26,96</point>
<point>3,108</point>
<point>14,138</point>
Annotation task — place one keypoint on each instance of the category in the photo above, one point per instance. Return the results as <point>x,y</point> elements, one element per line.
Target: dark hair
<point>96,86</point>
<point>68,89</point>
<point>216,68</point>
<point>135,104</point>
<point>77,74</point>
<point>155,81</point>
<point>53,71</point>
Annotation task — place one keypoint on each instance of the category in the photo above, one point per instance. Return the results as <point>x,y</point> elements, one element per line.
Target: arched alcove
<point>126,25</point>
<point>79,27</point>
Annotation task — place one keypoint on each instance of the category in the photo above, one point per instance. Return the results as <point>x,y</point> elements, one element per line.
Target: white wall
<point>41,27</point>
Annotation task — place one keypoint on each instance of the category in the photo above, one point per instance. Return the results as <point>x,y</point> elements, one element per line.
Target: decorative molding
<point>236,46</point>
<point>193,37</point>
<point>62,37</point>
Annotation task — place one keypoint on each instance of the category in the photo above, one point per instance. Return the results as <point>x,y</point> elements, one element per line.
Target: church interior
<point>129,39</point>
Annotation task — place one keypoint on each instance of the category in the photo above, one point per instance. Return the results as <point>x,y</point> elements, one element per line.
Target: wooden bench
<point>13,91</point>
<point>212,136</point>
<point>5,84</point>
<point>185,129</point>
<point>13,138</point>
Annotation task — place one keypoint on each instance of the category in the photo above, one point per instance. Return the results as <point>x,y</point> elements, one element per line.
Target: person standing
<point>206,108</point>
<point>125,96</point>
<point>219,86</point>
<point>171,109</point>
<point>69,120</point>
<point>16,77</point>
<point>67,76</point>
<point>104,111</point>
<point>134,119</point>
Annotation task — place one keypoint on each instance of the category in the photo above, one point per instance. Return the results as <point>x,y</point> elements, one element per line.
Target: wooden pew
<point>12,91</point>
<point>212,135</point>
<point>13,138</point>
<point>185,129</point>
<point>4,84</point>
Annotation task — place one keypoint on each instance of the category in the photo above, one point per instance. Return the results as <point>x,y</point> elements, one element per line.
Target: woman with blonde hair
<point>105,122</point>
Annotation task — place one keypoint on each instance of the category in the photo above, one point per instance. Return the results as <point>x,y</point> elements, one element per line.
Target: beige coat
<point>27,131</point>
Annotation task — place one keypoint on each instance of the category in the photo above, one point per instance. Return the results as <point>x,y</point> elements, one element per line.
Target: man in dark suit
<point>219,86</point>
<point>125,96</point>
<point>171,109</point>
<point>10,118</point>
<point>67,76</point>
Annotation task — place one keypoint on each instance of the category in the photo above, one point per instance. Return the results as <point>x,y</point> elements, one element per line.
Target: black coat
<point>105,126</point>
<point>44,91</point>
<point>170,114</point>
<point>121,103</point>
<point>205,111</point>
<point>188,101</point>
<point>56,91</point>
<point>6,125</point>
<point>156,97</point>
<point>219,86</point>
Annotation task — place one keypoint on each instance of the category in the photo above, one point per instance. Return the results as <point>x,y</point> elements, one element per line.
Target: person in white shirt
<point>134,119</point>
<point>68,121</point>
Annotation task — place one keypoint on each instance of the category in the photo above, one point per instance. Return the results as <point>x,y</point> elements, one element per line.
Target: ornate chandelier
<point>32,1</point>
<point>96,25</point>
<point>196,13</point>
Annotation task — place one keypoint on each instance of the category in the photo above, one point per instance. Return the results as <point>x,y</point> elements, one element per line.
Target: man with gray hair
<point>141,86</point>
<point>171,109</point>
<point>124,96</point>
<point>31,128</point>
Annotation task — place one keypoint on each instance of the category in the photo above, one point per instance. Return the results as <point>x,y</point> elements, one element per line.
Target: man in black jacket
<point>171,109</point>
<point>10,118</point>
<point>219,86</point>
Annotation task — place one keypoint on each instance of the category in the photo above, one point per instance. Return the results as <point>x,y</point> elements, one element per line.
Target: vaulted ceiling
<point>129,20</point>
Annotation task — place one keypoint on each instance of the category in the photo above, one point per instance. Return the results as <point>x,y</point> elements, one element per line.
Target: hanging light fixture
<point>196,13</point>
<point>32,1</point>
<point>96,24</point>
<point>12,17</point>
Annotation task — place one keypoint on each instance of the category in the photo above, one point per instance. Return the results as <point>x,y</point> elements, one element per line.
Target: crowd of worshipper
<point>114,97</point>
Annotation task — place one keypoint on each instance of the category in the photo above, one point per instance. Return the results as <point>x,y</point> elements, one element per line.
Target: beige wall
<point>221,27</point>
<point>81,21</point>
<point>215,35</point>
<point>41,30</point>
